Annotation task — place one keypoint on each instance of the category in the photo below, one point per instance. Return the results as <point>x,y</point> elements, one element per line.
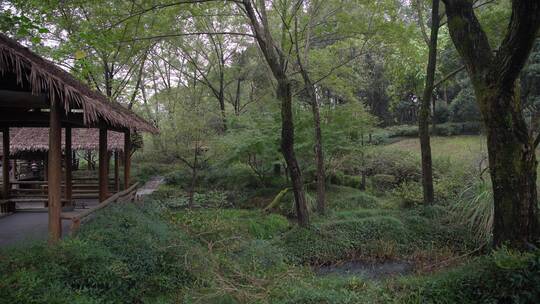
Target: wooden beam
<point>5,163</point>
<point>68,164</point>
<point>103,165</point>
<point>116,172</point>
<point>127,158</point>
<point>18,99</point>
<point>24,118</point>
<point>55,173</point>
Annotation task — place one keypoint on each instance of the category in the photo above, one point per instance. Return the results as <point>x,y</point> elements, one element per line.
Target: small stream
<point>367,270</point>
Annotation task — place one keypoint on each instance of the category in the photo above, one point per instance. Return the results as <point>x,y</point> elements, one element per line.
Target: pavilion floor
<point>28,226</point>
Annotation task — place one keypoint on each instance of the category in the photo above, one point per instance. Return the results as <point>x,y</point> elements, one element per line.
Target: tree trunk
<point>222,109</point>
<point>192,187</point>
<point>237,98</point>
<point>277,62</point>
<point>319,158</point>
<point>193,178</point>
<point>512,164</point>
<point>287,147</point>
<point>423,118</point>
<point>511,146</point>
<point>319,155</point>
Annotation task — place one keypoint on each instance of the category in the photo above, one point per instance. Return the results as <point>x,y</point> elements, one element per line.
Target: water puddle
<point>368,270</point>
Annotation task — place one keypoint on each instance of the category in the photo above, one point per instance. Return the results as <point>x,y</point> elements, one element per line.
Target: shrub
<point>383,182</point>
<point>121,256</point>
<point>353,200</point>
<point>259,257</point>
<point>462,128</point>
<point>220,224</point>
<point>410,193</point>
<point>145,170</point>
<point>474,210</point>
<point>403,166</point>
<point>503,277</point>
<point>333,241</point>
<point>464,107</point>
<point>341,179</point>
<point>441,112</point>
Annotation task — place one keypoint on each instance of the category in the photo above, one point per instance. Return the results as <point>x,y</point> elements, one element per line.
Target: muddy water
<point>368,270</point>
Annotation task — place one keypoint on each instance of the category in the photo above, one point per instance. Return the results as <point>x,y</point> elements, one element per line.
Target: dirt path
<point>150,186</point>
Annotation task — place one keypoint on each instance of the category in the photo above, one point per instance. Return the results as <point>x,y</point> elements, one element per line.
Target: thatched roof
<point>23,140</point>
<point>40,76</point>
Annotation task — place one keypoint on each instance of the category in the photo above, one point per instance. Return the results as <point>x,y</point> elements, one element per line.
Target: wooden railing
<point>122,196</point>
<point>6,207</point>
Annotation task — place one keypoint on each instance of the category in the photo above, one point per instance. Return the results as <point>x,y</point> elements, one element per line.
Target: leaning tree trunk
<point>512,164</point>
<point>287,148</point>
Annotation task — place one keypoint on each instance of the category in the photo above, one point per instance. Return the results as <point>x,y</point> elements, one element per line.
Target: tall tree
<point>511,144</point>
<point>423,118</point>
<point>302,61</point>
<point>278,62</point>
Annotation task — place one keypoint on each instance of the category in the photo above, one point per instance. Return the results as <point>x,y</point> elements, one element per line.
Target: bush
<point>410,193</point>
<point>383,182</point>
<point>403,166</point>
<point>464,107</point>
<point>145,170</point>
<point>220,224</point>
<point>502,277</point>
<point>371,237</point>
<point>441,112</point>
<point>463,128</point>
<point>353,200</point>
<point>123,255</point>
<point>346,180</point>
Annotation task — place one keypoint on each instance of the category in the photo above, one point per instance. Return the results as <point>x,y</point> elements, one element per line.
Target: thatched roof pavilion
<point>34,92</point>
<point>28,81</point>
<point>36,140</point>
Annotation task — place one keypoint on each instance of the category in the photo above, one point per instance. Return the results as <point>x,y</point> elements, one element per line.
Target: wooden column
<point>68,166</point>
<point>5,163</point>
<point>116,173</point>
<point>127,158</point>
<point>103,165</point>
<point>46,166</point>
<point>55,173</point>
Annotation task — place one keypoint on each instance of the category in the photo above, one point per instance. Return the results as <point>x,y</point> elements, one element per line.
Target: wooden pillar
<point>127,158</point>
<point>14,173</point>
<point>68,166</point>
<point>46,166</point>
<point>55,173</point>
<point>5,163</point>
<point>103,165</point>
<point>116,173</point>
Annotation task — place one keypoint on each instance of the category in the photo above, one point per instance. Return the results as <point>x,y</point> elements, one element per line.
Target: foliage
<point>123,255</point>
<point>464,107</point>
<point>474,210</point>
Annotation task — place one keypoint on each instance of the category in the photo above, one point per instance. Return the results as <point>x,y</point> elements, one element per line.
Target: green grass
<point>465,148</point>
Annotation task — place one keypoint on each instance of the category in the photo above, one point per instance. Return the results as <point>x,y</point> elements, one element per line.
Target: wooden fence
<point>127,195</point>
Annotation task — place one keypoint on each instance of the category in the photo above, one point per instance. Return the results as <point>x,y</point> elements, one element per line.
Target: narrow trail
<point>149,187</point>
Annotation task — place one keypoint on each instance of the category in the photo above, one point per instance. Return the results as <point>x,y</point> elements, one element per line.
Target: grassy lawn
<point>456,148</point>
